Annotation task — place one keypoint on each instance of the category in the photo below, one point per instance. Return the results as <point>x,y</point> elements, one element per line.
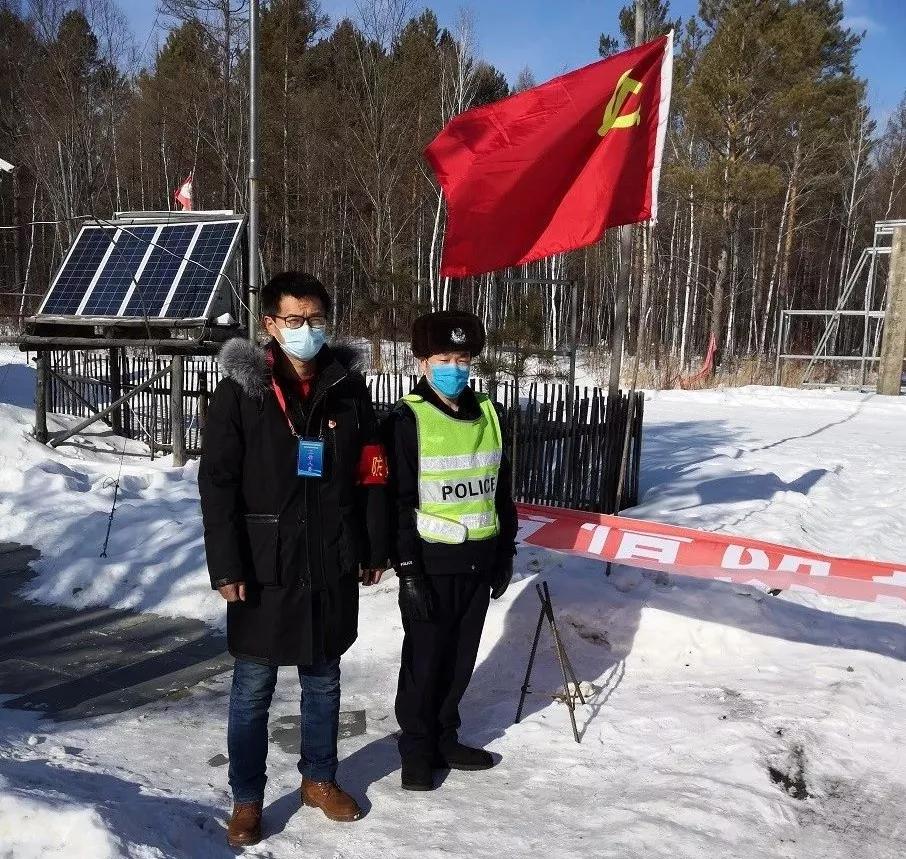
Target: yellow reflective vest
<point>458,468</point>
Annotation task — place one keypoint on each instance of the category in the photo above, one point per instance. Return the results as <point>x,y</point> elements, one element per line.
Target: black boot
<point>417,775</point>
<point>456,756</point>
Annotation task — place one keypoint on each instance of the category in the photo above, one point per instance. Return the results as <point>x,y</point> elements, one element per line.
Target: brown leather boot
<point>244,828</point>
<point>331,799</point>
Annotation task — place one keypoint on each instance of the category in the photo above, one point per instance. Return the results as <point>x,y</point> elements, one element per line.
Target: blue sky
<point>552,37</point>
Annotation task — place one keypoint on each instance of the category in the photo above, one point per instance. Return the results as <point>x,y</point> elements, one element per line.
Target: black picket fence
<point>560,460</point>
<point>575,461</point>
<point>83,382</point>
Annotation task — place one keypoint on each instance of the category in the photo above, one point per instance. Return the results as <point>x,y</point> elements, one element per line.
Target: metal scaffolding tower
<point>864,274</point>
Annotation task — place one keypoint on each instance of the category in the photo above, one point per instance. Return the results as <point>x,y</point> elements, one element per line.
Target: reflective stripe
<point>440,529</point>
<point>452,491</point>
<point>477,521</point>
<point>461,461</point>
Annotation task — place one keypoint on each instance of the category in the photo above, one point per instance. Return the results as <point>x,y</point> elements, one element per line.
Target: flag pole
<point>254,258</point>
<point>621,305</point>
<point>620,308</point>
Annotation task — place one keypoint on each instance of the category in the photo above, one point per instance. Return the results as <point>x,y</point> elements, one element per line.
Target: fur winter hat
<point>447,331</point>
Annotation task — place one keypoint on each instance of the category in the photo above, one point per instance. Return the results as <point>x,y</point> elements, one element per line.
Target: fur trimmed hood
<point>247,363</point>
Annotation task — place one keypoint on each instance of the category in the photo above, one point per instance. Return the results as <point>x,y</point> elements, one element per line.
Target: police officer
<point>453,539</point>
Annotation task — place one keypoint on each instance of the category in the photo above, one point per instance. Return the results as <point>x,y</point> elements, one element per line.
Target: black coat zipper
<point>314,408</point>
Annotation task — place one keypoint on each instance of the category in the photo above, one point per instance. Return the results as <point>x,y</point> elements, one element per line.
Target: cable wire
<point>116,491</point>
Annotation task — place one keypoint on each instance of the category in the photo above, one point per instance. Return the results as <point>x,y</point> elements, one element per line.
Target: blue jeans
<point>250,700</point>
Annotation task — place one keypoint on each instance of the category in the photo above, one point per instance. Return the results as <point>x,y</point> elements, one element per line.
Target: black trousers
<point>437,663</point>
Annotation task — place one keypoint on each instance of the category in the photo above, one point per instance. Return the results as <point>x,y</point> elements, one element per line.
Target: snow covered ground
<point>723,723</point>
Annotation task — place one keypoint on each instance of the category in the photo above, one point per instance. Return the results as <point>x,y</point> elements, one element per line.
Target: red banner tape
<point>703,554</point>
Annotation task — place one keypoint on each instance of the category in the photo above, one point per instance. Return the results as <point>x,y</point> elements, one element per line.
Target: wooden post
<point>893,346</point>
<point>177,422</point>
<point>41,397</point>
<point>116,391</point>
<point>781,337</point>
<point>153,440</point>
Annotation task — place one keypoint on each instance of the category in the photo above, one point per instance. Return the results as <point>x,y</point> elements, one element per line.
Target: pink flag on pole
<point>183,194</point>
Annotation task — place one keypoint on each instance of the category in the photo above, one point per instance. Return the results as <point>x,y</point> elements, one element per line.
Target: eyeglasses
<point>318,323</point>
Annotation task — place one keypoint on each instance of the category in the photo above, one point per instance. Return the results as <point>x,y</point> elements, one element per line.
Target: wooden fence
<point>563,462</point>
<point>559,460</point>
<point>79,380</point>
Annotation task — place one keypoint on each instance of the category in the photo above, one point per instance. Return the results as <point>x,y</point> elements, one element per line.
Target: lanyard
<point>291,407</point>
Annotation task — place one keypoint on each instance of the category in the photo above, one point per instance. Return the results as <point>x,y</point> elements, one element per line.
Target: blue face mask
<point>302,343</point>
<point>449,379</point>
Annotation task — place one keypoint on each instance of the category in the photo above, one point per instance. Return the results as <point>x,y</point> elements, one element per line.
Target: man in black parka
<point>292,483</point>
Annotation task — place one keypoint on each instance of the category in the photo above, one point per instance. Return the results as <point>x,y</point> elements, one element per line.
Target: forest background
<point>774,174</point>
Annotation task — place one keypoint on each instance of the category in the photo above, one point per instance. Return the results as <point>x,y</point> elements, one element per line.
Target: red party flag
<point>549,169</point>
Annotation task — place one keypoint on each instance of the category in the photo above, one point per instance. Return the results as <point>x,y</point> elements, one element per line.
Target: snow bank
<point>59,500</point>
<point>46,827</point>
<point>822,470</point>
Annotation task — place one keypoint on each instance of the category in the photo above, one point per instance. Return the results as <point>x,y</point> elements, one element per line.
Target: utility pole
<point>18,267</point>
<point>621,305</point>
<point>616,446</point>
<point>893,346</point>
<point>177,415</point>
<point>254,253</point>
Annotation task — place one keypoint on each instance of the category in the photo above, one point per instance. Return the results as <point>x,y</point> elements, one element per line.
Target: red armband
<point>373,469</point>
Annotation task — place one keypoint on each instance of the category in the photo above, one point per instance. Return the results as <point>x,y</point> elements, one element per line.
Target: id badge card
<point>310,461</point>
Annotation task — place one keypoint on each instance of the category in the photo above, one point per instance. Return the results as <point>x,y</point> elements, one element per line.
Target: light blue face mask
<point>449,379</point>
<point>302,343</point>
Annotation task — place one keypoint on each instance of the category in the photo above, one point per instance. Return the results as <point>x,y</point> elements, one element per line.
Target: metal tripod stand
<point>570,682</point>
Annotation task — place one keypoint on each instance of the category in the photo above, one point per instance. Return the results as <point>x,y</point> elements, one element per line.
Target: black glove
<point>416,598</point>
<point>500,581</point>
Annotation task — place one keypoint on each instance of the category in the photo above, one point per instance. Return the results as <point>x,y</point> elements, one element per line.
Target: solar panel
<point>153,285</point>
<point>157,271</point>
<point>195,287</point>
<point>122,265</point>
<point>79,267</point>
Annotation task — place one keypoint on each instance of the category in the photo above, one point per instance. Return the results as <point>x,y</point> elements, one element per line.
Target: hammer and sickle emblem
<point>626,86</point>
